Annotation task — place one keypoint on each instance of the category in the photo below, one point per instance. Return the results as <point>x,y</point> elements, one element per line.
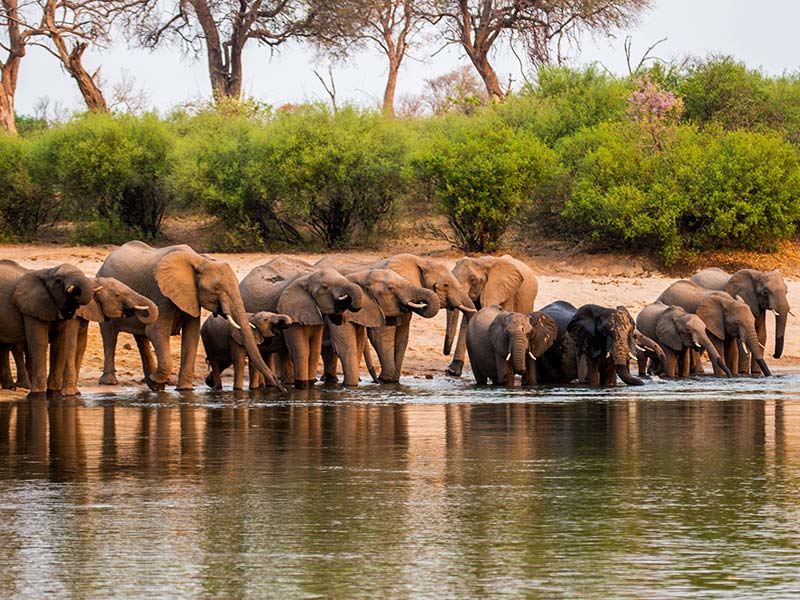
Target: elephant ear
<point>502,283</point>
<point>710,310</point>
<point>370,314</point>
<point>296,302</point>
<point>741,284</point>
<point>91,312</point>
<point>583,329</point>
<point>175,276</point>
<point>545,332</point>
<point>667,331</point>
<point>33,300</point>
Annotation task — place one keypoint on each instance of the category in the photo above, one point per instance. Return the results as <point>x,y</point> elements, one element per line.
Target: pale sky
<point>763,34</point>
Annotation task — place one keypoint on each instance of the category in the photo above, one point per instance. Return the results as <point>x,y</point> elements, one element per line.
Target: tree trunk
<point>10,69</point>
<point>487,73</point>
<point>91,92</point>
<point>8,120</point>
<point>391,87</point>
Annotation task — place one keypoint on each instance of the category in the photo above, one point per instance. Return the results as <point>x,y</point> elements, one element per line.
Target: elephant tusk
<point>745,350</point>
<point>234,323</point>
<point>343,297</point>
<point>417,304</point>
<point>762,345</point>
<point>141,307</point>
<point>97,289</point>
<point>70,289</point>
<point>466,309</point>
<point>777,314</point>
<point>253,326</point>
<point>508,358</point>
<point>791,313</point>
<point>531,355</point>
<point>632,356</point>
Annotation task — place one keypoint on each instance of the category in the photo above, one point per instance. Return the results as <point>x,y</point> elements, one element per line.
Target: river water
<point>431,489</point>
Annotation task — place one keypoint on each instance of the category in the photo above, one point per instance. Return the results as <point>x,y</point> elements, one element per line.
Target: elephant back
<point>344,263</point>
<point>288,266</point>
<point>261,289</point>
<point>648,317</point>
<point>712,278</point>
<point>135,263</point>
<point>529,288</point>
<point>686,294</point>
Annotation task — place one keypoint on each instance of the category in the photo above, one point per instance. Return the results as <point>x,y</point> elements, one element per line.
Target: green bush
<point>110,168</point>
<point>24,204</point>
<point>481,174</point>
<point>704,191</point>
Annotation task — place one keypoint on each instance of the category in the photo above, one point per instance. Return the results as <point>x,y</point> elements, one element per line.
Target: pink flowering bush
<point>654,109</point>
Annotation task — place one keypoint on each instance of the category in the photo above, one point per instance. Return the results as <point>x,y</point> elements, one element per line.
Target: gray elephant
<point>604,342</point>
<point>224,345</point>
<point>678,333</point>
<point>180,282</point>
<point>390,342</point>
<point>559,364</point>
<point>762,291</point>
<point>502,343</point>
<point>35,307</point>
<point>111,300</point>
<point>727,320</point>
<point>387,297</point>
<point>488,280</point>
<point>308,299</point>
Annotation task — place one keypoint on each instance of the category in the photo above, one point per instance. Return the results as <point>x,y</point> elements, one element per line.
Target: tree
<point>458,90</point>
<point>13,46</point>
<point>223,28</point>
<point>344,26</point>
<point>542,26</point>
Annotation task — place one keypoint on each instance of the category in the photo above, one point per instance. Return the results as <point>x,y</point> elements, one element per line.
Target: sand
<point>579,280</point>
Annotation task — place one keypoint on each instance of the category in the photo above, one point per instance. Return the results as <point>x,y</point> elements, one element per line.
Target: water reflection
<point>248,496</point>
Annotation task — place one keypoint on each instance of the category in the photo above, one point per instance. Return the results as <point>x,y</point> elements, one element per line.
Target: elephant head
<point>605,332</point>
<point>510,335</point>
<point>545,332</point>
<point>651,348</point>
<point>763,291</point>
<point>676,329</point>
<point>324,293</point>
<point>193,282</point>
<point>52,294</point>
<point>387,295</point>
<point>112,299</point>
<point>488,280</point>
<point>265,325</point>
<point>727,317</point>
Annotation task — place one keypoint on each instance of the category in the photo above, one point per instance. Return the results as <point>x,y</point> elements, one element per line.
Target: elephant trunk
<point>423,301</point>
<point>620,351</point>
<point>754,346</point>
<point>349,297</point>
<point>145,309</point>
<point>240,317</point>
<point>519,351</point>
<point>781,317</point>
<point>652,346</point>
<point>450,332</point>
<point>713,355</point>
<point>624,373</point>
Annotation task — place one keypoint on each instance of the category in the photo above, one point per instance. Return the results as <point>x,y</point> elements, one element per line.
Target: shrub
<point>111,168</point>
<point>24,204</point>
<point>481,174</point>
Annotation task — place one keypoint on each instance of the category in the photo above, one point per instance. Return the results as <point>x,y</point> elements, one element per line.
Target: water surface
<point>433,488</point>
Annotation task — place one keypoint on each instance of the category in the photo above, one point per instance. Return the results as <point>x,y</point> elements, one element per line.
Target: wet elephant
<point>488,280</point>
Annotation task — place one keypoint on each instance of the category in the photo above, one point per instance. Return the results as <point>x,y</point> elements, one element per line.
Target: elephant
<point>488,280</point>
<point>309,299</point>
<point>35,307</point>
<point>677,332</point>
<point>762,291</point>
<point>387,297</point>
<point>727,320</point>
<point>559,364</point>
<point>501,344</point>
<point>224,345</point>
<point>180,282</point>
<point>111,300</point>
<point>604,341</point>
<point>389,341</point>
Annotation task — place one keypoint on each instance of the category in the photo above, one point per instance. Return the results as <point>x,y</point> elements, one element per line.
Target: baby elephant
<point>501,344</point>
<point>225,346</point>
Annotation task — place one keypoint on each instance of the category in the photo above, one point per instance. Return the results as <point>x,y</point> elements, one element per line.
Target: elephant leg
<point>253,375</point>
<point>6,381</point>
<point>719,346</point>
<point>109,333</point>
<point>62,344</point>
<point>401,342</point>
<point>315,353</point>
<point>344,339</point>
<point>678,363</point>
<point>36,337</point>
<point>529,378</point>
<point>298,341</point>
<point>22,363</point>
<point>158,333</point>
<point>761,331</point>
<point>592,372</point>
<point>607,373</point>
<point>641,362</point>
<point>456,366</point>
<point>731,354</point>
<point>504,374</point>
<point>238,357</point>
<point>330,351</point>
<point>190,338</point>
<point>75,352</point>
<point>145,354</point>
<point>382,339</point>
<point>697,362</point>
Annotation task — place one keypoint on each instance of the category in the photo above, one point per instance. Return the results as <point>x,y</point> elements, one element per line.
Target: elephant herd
<point>287,315</point>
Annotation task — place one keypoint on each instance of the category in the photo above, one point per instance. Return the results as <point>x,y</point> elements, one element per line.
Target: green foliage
<point>110,168</point>
<point>705,191</point>
<point>24,205</point>
<point>482,173</point>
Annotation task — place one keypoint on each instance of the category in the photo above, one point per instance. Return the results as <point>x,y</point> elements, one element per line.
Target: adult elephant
<point>390,341</point>
<point>112,300</point>
<point>502,343</point>
<point>387,298</point>
<point>180,282</point>
<point>488,280</point>
<point>308,300</point>
<point>678,333</point>
<point>727,320</point>
<point>559,364</point>
<point>604,342</point>
<point>224,345</point>
<point>762,291</point>
<point>35,307</point>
